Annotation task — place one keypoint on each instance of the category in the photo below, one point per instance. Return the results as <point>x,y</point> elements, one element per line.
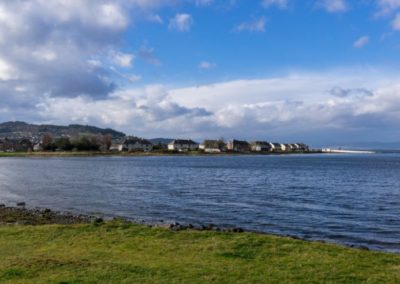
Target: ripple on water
<point>346,199</point>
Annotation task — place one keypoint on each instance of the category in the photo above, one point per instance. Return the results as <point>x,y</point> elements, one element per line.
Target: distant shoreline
<point>147,154</point>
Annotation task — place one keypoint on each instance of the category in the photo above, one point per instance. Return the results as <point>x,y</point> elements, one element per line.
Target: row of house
<point>218,146</point>
<point>131,143</point>
<point>262,146</point>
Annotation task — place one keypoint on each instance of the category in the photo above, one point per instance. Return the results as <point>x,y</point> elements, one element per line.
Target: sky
<point>318,71</point>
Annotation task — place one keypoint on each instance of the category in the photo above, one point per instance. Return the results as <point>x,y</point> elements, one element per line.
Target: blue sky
<point>321,71</point>
<point>300,37</point>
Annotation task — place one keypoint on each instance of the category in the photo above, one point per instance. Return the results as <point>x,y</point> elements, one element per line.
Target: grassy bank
<point>116,252</point>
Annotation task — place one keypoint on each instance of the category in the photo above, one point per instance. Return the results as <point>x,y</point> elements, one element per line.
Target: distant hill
<point>17,129</point>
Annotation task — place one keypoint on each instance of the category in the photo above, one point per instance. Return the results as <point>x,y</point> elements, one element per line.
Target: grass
<point>115,252</point>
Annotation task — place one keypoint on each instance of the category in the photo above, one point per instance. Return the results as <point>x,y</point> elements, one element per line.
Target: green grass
<point>126,253</point>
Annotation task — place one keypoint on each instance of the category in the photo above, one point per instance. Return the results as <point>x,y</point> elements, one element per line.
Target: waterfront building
<point>183,145</point>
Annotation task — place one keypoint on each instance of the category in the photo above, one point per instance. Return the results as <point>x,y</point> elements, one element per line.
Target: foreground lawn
<point>125,253</point>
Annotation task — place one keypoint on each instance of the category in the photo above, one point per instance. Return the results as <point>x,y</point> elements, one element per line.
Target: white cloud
<point>207,65</point>
<point>155,18</point>
<point>49,45</point>
<point>302,86</point>
<point>203,2</point>
<point>361,42</point>
<point>255,25</point>
<point>134,78</point>
<point>396,22</point>
<point>44,54</point>
<point>62,48</point>
<point>297,103</point>
<point>111,15</point>
<point>288,107</point>
<point>147,107</point>
<point>148,54</point>
<point>181,22</point>
<point>281,4</point>
<point>122,59</point>
<point>387,6</point>
<point>333,6</point>
<point>7,72</point>
<point>281,108</point>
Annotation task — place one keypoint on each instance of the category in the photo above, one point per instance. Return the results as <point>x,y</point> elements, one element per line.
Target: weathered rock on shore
<point>209,227</point>
<point>21,215</point>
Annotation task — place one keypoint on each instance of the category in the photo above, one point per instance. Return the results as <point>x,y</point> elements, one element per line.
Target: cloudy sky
<point>320,71</point>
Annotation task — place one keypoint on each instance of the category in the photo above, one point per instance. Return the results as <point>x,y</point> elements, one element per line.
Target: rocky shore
<point>20,215</point>
<point>23,216</point>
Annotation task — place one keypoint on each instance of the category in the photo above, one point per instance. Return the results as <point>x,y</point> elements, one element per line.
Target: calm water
<point>339,198</point>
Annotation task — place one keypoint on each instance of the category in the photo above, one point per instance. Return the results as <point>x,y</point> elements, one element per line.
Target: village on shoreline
<point>107,144</point>
<point>21,137</point>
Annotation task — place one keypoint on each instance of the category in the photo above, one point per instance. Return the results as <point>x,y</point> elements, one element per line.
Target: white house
<point>303,147</point>
<point>135,144</point>
<point>261,146</point>
<point>272,146</point>
<point>238,146</point>
<point>183,145</point>
<point>277,146</point>
<point>289,147</point>
<point>213,146</point>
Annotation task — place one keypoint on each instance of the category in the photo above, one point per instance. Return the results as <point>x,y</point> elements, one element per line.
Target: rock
<point>98,221</point>
<point>210,227</point>
<point>165,226</point>
<point>363,247</point>
<point>177,227</point>
<point>237,230</point>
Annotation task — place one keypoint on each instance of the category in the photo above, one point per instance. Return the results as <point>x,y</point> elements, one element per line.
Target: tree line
<point>83,143</point>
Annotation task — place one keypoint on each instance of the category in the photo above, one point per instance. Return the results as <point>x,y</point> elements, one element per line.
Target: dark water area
<point>347,199</point>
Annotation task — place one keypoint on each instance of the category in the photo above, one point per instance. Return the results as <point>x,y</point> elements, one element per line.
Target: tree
<point>107,141</point>
<point>47,142</point>
<point>86,143</point>
<point>63,144</point>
